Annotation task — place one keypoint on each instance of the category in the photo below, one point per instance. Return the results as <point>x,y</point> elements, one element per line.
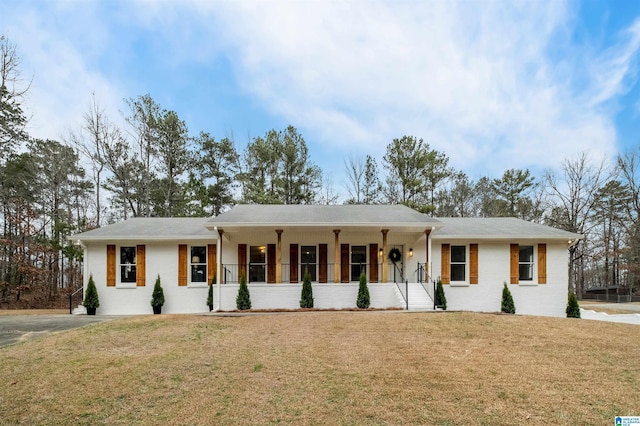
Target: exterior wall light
<point>380,252</point>
<point>410,252</point>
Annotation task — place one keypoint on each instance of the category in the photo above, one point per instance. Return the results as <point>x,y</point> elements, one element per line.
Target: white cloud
<point>478,80</point>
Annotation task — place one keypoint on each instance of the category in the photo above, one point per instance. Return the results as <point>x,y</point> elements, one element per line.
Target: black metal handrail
<point>423,279</point>
<point>73,295</point>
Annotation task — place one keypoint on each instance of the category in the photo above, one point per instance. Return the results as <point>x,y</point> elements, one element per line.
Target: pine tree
<point>91,300</point>
<point>441,300</point>
<point>364,300</point>
<point>210,294</point>
<point>157,297</point>
<point>243,301</point>
<point>573,308</point>
<point>507,301</point>
<point>306,298</point>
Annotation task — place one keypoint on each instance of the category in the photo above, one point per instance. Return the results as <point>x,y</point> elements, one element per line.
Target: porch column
<point>219,268</point>
<point>279,257</point>
<point>336,259</point>
<point>385,273</point>
<point>427,233</point>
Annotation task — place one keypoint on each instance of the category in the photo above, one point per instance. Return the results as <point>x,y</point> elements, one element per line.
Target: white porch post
<point>218,268</point>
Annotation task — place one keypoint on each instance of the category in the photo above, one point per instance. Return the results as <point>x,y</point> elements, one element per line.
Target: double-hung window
<point>257,264</point>
<point>458,263</point>
<point>198,264</point>
<point>308,261</point>
<point>525,263</point>
<point>128,264</point>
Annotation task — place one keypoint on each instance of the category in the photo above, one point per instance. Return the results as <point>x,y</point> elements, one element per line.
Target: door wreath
<point>395,255</point>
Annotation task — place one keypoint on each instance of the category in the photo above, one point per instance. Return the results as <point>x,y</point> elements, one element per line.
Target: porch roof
<point>498,228</point>
<point>150,229</point>
<point>396,217</point>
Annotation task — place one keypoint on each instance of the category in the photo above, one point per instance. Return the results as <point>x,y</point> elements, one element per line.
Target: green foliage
<point>511,193</point>
<point>306,298</point>
<point>91,299</point>
<point>157,297</point>
<point>507,301</point>
<point>210,292</point>
<point>441,300</point>
<point>243,300</point>
<point>364,300</point>
<point>573,308</point>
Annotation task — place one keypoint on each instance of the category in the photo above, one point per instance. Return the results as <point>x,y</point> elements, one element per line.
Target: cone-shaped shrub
<point>364,300</point>
<point>306,298</point>
<point>243,301</point>
<point>210,294</point>
<point>91,300</point>
<point>157,297</point>
<point>573,309</point>
<point>441,300</point>
<point>507,301</point>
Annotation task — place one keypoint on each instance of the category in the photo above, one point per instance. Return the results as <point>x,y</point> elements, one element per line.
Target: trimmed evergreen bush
<point>573,308</point>
<point>91,300</point>
<point>364,300</point>
<point>507,301</point>
<point>306,298</point>
<point>210,294</point>
<point>243,301</point>
<point>441,300</point>
<point>157,297</point>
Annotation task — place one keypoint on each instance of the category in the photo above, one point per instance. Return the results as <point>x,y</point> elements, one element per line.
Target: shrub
<point>157,297</point>
<point>507,301</point>
<point>306,298</point>
<point>573,308</point>
<point>91,299</point>
<point>364,300</point>
<point>210,294</point>
<point>243,301</point>
<point>441,300</point>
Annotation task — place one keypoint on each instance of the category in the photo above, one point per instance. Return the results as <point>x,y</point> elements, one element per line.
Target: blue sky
<point>493,84</point>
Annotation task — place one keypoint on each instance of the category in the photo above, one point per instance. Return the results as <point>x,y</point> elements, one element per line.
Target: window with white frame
<point>257,264</point>
<point>198,261</point>
<point>525,263</point>
<point>308,261</point>
<point>458,263</point>
<point>127,264</point>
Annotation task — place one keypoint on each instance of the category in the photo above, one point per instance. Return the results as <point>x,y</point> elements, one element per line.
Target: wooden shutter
<point>445,264</point>
<point>373,263</point>
<point>514,264</point>
<point>542,263</point>
<point>212,262</point>
<point>293,263</point>
<point>111,265</point>
<point>322,267</point>
<point>344,263</point>
<point>141,266</point>
<point>271,263</point>
<point>473,264</point>
<point>183,265</point>
<point>242,261</point>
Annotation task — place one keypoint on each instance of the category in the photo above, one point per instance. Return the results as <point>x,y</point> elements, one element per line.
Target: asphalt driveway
<point>16,328</point>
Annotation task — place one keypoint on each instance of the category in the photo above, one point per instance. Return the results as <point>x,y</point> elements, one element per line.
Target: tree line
<point>155,166</point>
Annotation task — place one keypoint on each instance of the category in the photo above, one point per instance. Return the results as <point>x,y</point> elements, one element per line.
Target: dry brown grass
<point>326,368</point>
<point>34,312</point>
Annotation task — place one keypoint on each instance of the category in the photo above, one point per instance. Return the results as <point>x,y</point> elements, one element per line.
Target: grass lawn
<point>326,368</point>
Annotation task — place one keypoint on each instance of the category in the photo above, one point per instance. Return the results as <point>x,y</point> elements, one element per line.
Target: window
<point>358,261</point>
<point>127,264</point>
<point>198,264</point>
<point>257,264</point>
<point>308,261</point>
<point>525,263</point>
<point>458,263</point>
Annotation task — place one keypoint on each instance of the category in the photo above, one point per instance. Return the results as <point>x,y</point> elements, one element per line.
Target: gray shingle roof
<point>498,228</point>
<point>150,228</point>
<point>253,215</point>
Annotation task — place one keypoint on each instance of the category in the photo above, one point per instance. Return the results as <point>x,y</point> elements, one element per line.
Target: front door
<point>396,272</point>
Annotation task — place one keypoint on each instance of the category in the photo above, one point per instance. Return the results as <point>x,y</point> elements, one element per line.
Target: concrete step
<point>79,310</point>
